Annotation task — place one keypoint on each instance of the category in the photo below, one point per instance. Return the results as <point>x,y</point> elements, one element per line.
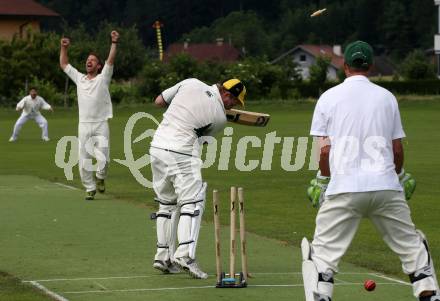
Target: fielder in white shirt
<point>194,110</point>
<point>95,108</point>
<point>30,107</point>
<point>361,175</point>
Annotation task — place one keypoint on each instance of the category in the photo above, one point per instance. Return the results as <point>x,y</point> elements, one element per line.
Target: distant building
<point>305,56</point>
<point>18,15</point>
<point>219,51</point>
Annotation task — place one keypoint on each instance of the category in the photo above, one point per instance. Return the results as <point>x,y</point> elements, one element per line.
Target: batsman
<point>194,110</point>
<point>361,175</point>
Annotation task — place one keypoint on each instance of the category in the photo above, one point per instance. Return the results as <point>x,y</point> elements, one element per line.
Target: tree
<point>318,71</point>
<point>20,59</point>
<point>131,54</point>
<point>396,28</point>
<point>416,66</point>
<point>245,30</point>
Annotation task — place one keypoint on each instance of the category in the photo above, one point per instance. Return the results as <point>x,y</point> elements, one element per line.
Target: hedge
<point>421,87</point>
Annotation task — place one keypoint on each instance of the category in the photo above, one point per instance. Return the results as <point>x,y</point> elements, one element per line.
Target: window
<point>302,58</point>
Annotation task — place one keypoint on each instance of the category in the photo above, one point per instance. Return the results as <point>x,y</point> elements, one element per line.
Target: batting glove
<point>408,184</point>
<point>316,190</point>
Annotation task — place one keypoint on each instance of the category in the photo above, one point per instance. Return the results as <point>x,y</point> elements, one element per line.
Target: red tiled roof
<point>204,51</point>
<point>324,50</point>
<point>24,8</point>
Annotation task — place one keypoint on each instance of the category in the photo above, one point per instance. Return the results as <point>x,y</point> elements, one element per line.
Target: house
<point>305,56</point>
<point>18,15</point>
<point>218,51</point>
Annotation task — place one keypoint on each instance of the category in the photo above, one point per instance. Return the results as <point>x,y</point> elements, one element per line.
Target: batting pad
<point>310,279</point>
<point>309,272</point>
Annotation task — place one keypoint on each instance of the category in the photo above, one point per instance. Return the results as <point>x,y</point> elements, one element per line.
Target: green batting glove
<point>316,190</point>
<point>408,184</point>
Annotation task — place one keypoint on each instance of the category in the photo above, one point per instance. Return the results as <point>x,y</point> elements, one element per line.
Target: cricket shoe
<point>166,267</point>
<point>430,298</point>
<point>12,139</point>
<point>90,195</point>
<point>45,139</point>
<point>191,266</point>
<point>100,184</point>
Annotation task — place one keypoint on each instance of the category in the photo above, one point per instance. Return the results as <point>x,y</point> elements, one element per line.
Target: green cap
<point>359,54</point>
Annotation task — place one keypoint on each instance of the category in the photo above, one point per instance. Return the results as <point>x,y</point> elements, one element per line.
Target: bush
<point>124,93</point>
<point>421,87</point>
<point>416,67</point>
<point>318,71</point>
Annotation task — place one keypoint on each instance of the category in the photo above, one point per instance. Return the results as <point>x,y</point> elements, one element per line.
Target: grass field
<point>102,250</point>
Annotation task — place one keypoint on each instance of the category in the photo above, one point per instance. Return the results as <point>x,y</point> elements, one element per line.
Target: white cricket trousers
<point>177,182</point>
<point>39,119</point>
<point>94,143</point>
<point>337,222</point>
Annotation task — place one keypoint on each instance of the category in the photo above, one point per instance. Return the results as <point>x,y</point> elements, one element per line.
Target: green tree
<point>396,28</point>
<point>184,66</point>
<point>318,71</point>
<point>36,55</point>
<point>245,30</point>
<point>149,79</point>
<point>131,54</point>
<point>416,66</point>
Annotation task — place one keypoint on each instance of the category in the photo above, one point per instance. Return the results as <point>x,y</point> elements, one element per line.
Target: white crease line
<point>48,292</point>
<point>141,290</point>
<point>101,286</point>
<point>206,287</point>
<point>94,278</point>
<point>341,281</point>
<point>149,276</point>
<point>390,279</point>
<point>66,186</point>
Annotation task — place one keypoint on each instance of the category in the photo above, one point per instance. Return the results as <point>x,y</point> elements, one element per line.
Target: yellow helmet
<point>236,88</point>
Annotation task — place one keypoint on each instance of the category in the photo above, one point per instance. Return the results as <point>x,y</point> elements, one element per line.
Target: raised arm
<point>112,54</point>
<point>64,59</point>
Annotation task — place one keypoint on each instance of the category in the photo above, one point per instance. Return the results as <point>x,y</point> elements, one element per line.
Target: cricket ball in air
<point>369,285</point>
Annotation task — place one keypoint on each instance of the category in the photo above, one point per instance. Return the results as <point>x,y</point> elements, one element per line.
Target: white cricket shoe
<point>45,139</point>
<point>12,139</point>
<point>166,267</point>
<point>191,266</point>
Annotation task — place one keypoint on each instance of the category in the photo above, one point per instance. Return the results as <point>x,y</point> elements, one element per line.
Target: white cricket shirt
<point>32,106</point>
<point>94,102</point>
<point>361,119</point>
<point>195,109</point>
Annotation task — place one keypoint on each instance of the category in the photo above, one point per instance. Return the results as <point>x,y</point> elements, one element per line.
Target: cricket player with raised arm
<point>95,108</point>
<point>361,175</point>
<point>194,110</point>
<point>30,106</point>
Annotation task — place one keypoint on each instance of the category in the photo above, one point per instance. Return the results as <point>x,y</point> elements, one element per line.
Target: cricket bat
<point>247,118</point>
<point>318,12</point>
